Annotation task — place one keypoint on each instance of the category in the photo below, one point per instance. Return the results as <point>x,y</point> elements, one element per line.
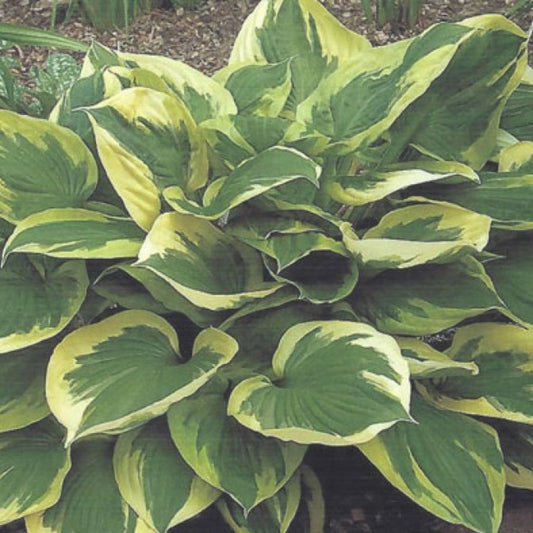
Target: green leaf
<point>311,515</point>
<point>272,168</point>
<point>38,299</point>
<point>336,383</point>
<point>420,234</point>
<point>301,31</point>
<point>33,465</point>
<point>148,141</point>
<point>517,157</point>
<point>448,463</point>
<point>517,116</point>
<point>258,89</point>
<point>206,266</point>
<point>372,185</point>
<point>22,392</point>
<point>425,299</point>
<point>90,500</point>
<point>38,37</point>
<point>94,373</point>
<point>511,276</point>
<point>502,388</point>
<point>76,233</point>
<point>247,466</point>
<point>517,445</point>
<point>203,96</point>
<point>42,165</point>
<point>427,363</point>
<point>271,516</point>
<point>154,479</point>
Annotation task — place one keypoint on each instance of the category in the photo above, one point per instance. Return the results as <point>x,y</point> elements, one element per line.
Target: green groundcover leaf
<point>206,266</point>
<point>22,392</point>
<point>94,373</point>
<point>42,165</point>
<point>76,233</point>
<point>246,465</point>
<point>33,465</point>
<point>336,383</point>
<point>502,388</point>
<point>38,299</point>
<point>154,479</point>
<point>90,500</point>
<point>425,299</point>
<point>448,463</point>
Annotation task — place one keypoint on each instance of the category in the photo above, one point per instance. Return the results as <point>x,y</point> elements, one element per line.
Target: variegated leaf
<point>420,234</point>
<point>148,141</point>
<point>517,445</point>
<point>517,158</point>
<point>372,185</point>
<point>502,388</point>
<point>94,374</point>
<point>447,463</point>
<point>336,383</point>
<point>425,299</point>
<point>259,89</point>
<point>247,466</point>
<point>517,116</point>
<point>76,234</point>
<point>302,31</point>
<point>204,97</point>
<point>90,500</point>
<point>511,275</point>
<point>33,465</point>
<point>42,165</point>
<point>274,515</point>
<point>425,362</point>
<point>22,392</point>
<point>154,479</point>
<point>38,298</point>
<point>272,168</point>
<point>209,268</point>
<point>311,516</point>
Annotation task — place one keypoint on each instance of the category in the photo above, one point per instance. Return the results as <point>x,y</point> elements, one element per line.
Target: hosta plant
<point>324,243</point>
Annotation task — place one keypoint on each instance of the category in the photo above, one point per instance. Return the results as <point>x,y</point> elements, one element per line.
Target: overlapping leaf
<point>336,383</point>
<point>517,445</point>
<point>448,463</point>
<point>154,479</point>
<point>94,373</point>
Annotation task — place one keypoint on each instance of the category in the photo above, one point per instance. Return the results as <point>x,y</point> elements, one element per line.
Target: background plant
<point>198,270</point>
<point>405,12</point>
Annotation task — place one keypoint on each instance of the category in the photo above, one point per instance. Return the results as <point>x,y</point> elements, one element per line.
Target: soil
<point>358,499</point>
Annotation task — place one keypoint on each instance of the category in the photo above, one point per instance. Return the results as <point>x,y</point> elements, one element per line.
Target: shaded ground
<point>358,499</point>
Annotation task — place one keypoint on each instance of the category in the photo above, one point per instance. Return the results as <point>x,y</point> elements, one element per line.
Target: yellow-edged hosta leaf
<point>517,157</point>
<point>209,268</point>
<point>447,463</point>
<point>517,445</point>
<point>38,298</point>
<point>504,197</point>
<point>258,89</point>
<point>90,500</point>
<point>485,69</point>
<point>302,31</point>
<point>425,299</point>
<point>272,168</point>
<point>502,388</point>
<point>517,116</point>
<point>33,465</point>
<point>154,479</point>
<point>93,378</point>
<point>22,392</point>
<point>419,234</point>
<point>42,165</point>
<point>311,516</point>
<point>76,234</point>
<point>426,362</point>
<point>148,141</point>
<point>512,278</point>
<point>204,97</point>
<point>335,383</point>
<point>246,465</point>
<point>273,515</point>
<point>374,185</point>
